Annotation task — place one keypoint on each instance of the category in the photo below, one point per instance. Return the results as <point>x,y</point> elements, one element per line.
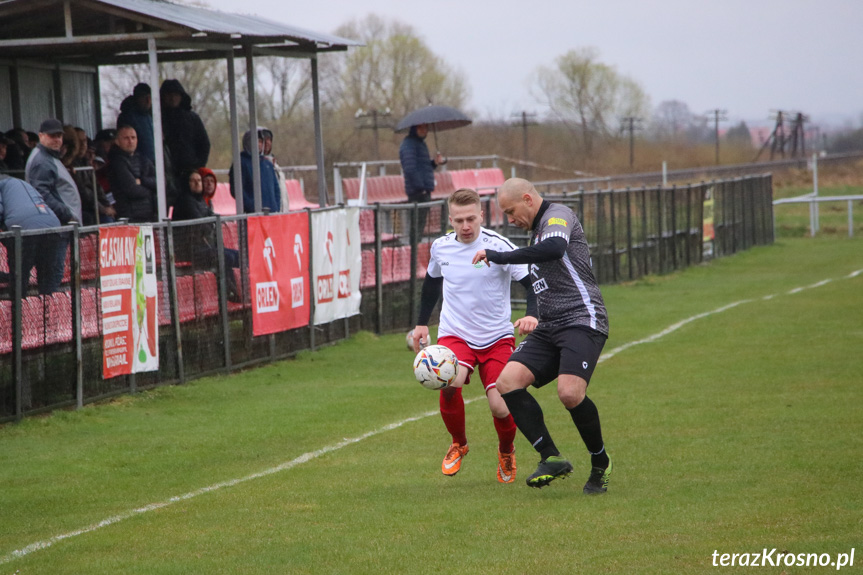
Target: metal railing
<point>51,344</point>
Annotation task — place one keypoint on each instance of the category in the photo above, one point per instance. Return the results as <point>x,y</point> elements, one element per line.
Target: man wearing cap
<point>46,173</point>
<point>137,111</point>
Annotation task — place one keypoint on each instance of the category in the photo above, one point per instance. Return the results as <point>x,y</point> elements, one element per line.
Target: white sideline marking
<point>306,457</point>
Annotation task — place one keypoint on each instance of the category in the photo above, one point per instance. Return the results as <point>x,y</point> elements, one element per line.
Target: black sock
<point>586,419</point>
<point>527,415</point>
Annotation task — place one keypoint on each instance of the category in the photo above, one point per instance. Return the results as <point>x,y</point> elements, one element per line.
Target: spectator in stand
<point>4,147</point>
<point>95,206</point>
<point>418,169</point>
<point>199,242</point>
<point>185,134</point>
<point>102,144</point>
<point>21,205</point>
<point>132,178</point>
<point>270,197</point>
<point>210,181</point>
<point>137,111</point>
<point>31,141</point>
<point>18,151</point>
<point>280,175</point>
<point>46,173</point>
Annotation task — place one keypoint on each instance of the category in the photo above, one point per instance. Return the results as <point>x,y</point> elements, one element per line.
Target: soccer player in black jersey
<point>573,327</point>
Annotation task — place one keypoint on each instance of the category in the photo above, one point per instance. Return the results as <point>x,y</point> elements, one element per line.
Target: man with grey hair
<point>573,327</point>
<point>46,173</point>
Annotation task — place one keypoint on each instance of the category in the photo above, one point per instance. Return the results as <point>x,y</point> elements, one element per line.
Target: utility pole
<point>526,119</point>
<point>629,124</point>
<point>718,116</point>
<point>374,124</point>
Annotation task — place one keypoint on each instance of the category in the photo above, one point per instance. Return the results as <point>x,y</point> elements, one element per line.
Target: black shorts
<point>551,351</point>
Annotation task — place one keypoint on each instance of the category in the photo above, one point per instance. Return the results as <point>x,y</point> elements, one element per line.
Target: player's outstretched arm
<point>421,337</point>
<point>547,250</point>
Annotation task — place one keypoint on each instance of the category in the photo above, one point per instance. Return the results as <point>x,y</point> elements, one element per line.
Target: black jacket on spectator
<point>191,206</point>
<point>184,131</point>
<point>134,201</point>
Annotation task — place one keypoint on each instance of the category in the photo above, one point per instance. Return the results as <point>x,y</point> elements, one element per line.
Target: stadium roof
<point>109,32</point>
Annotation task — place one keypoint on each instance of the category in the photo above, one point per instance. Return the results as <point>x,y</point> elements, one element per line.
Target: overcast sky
<point>749,57</point>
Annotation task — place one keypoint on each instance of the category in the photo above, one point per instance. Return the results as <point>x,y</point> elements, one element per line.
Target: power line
<point>718,116</point>
<point>375,124</point>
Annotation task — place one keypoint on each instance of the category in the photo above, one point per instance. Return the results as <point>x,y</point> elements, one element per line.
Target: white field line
<point>306,457</point>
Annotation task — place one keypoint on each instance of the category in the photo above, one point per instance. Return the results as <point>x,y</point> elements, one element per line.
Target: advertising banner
<point>337,261</point>
<point>279,272</point>
<point>708,231</point>
<point>130,323</point>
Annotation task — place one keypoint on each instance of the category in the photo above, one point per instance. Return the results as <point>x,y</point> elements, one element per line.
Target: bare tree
<point>589,96</point>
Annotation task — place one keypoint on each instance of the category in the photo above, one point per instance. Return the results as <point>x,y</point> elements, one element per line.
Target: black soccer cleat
<point>549,469</point>
<point>597,483</point>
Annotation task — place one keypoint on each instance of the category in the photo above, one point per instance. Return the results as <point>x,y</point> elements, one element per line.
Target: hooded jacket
<point>270,197</point>
<point>134,201</point>
<point>417,167</point>
<point>142,120</point>
<point>184,131</point>
<point>52,180</point>
<point>22,205</point>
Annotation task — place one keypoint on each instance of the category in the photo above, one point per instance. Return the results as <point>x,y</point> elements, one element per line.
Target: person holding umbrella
<point>417,166</point>
<point>418,170</point>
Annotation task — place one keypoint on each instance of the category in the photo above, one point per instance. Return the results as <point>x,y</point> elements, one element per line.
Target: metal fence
<point>51,343</point>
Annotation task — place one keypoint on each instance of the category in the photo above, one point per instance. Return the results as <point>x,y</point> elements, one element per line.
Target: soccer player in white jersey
<point>475,323</point>
<point>573,327</point>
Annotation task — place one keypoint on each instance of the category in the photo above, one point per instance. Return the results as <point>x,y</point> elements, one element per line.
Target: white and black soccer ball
<point>436,367</point>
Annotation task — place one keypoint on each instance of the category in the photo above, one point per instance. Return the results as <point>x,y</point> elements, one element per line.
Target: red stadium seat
<point>90,307</point>
<point>206,295</point>
<point>487,179</point>
<point>89,253</point>
<point>58,318</point>
<point>229,235</point>
<point>5,326</point>
<point>296,199</point>
<point>367,276</point>
<point>186,297</point>
<point>33,322</point>
<point>223,202</point>
<point>463,179</point>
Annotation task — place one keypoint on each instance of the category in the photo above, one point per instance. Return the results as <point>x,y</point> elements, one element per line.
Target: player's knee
<point>570,393</point>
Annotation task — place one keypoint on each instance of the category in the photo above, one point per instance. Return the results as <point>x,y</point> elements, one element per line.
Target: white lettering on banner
<point>115,324</point>
<point>344,284</point>
<point>112,303</point>
<point>116,282</point>
<point>115,360</point>
<point>267,296</point>
<point>117,252</point>
<point>297,295</point>
<point>325,288</point>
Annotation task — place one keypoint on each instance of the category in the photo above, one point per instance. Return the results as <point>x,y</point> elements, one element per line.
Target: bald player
<point>573,327</point>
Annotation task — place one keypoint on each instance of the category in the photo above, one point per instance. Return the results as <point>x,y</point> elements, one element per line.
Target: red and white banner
<point>337,261</point>
<point>130,325</point>
<point>279,272</point>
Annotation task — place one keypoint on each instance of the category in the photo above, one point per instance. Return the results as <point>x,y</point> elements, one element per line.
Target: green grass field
<point>738,431</point>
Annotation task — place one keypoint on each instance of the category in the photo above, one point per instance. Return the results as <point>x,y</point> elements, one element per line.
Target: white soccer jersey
<point>476,305</point>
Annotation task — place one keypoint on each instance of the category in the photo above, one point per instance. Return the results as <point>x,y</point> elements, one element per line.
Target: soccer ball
<point>435,367</point>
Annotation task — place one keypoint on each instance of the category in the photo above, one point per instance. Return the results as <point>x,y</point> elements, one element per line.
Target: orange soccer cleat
<point>452,460</point>
<point>506,467</point>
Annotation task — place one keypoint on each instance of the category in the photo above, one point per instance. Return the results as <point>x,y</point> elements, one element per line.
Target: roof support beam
<point>319,136</point>
<point>253,128</point>
<point>161,188</point>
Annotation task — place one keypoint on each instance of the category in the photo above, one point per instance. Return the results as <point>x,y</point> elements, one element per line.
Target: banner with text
<point>279,272</point>
<point>337,260</point>
<point>130,324</point>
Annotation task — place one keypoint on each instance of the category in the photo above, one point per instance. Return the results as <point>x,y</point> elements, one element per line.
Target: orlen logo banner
<point>279,272</point>
<point>336,239</point>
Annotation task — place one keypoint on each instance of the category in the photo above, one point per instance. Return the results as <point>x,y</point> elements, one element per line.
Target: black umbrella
<point>438,118</point>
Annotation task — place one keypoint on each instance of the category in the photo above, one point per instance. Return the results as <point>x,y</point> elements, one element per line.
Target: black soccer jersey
<point>565,288</point>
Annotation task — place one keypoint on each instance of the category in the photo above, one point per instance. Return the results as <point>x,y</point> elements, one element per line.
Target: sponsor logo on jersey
<point>557,222</point>
<point>539,286</point>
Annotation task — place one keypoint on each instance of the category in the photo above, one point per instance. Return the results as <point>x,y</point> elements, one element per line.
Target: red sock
<point>452,412</point>
<point>505,433</point>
